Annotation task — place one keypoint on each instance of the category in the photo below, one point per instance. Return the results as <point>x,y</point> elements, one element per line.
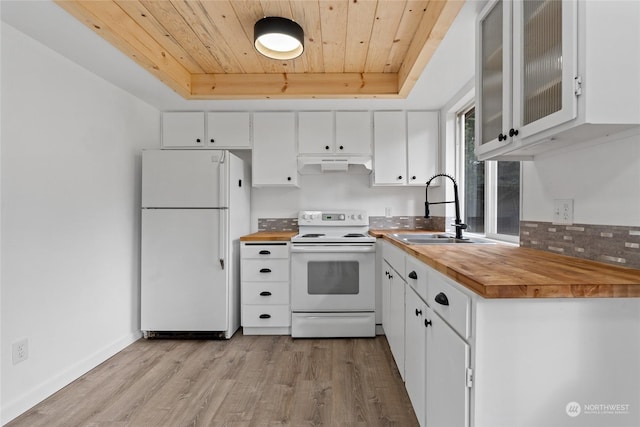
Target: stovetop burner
<point>334,227</point>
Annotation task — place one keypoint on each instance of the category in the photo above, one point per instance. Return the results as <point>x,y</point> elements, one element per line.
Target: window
<point>491,189</point>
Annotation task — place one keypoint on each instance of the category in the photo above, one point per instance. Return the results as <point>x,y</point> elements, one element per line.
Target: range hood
<point>310,165</point>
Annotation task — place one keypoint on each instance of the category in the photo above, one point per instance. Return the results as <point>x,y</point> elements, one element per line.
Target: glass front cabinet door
<point>526,62</point>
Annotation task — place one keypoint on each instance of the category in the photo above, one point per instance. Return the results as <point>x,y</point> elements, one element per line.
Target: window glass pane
<point>473,178</point>
<point>508,198</point>
<point>333,277</point>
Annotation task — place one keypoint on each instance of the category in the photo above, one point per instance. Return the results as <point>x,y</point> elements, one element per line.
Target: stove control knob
<point>353,217</point>
<point>360,216</point>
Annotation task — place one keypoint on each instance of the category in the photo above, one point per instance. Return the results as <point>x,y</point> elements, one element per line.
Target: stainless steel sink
<point>435,239</point>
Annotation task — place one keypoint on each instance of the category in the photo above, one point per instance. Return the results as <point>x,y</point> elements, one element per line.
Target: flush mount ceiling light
<point>278,38</point>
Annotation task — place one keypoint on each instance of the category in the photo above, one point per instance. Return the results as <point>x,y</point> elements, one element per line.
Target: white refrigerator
<point>195,207</point>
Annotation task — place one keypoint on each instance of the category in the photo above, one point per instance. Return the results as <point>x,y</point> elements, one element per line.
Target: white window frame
<point>491,178</point>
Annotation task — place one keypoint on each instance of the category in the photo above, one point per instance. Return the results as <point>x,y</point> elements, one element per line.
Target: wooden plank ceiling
<point>203,49</point>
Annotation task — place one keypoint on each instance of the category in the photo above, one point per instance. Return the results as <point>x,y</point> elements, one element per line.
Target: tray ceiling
<point>203,49</point>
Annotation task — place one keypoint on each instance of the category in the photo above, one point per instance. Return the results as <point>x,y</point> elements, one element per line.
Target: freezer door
<point>184,179</point>
<point>184,286</point>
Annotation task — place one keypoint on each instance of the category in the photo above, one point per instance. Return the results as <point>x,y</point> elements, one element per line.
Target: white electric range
<point>333,275</point>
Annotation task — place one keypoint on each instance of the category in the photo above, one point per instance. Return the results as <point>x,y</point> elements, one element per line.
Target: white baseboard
<point>22,403</point>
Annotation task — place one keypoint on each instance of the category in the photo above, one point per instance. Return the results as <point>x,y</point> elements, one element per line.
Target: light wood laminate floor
<point>245,381</point>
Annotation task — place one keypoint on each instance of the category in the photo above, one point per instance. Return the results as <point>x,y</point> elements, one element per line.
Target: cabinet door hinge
<point>577,85</point>
<point>469,377</point>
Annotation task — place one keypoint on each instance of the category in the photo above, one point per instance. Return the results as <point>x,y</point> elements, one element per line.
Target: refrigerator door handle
<point>222,181</point>
<point>222,236</point>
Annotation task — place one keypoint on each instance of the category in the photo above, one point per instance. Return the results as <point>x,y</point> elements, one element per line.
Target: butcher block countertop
<point>269,236</point>
<point>507,271</point>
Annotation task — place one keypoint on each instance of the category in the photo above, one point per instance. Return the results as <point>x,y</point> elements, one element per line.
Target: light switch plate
<point>563,211</point>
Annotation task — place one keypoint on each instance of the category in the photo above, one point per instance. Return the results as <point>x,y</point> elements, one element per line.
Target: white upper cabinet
<point>545,69</point>
<point>274,160</point>
<point>316,132</point>
<point>405,147</point>
<point>183,129</point>
<point>390,148</point>
<point>215,130</point>
<point>423,139</point>
<point>229,129</point>
<point>353,132</point>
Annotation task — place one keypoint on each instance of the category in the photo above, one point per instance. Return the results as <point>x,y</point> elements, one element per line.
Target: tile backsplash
<point>617,245</point>
<point>375,222</point>
<point>277,224</point>
<point>435,223</point>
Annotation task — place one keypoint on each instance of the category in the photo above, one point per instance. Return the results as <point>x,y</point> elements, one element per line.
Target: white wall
<point>602,177</point>
<point>70,218</point>
<point>335,190</point>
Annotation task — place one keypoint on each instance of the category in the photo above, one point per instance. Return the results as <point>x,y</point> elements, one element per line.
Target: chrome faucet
<point>458,222</point>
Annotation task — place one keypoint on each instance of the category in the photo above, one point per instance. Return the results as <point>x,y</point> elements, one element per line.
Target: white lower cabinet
<point>393,302</point>
<point>394,324</point>
<point>447,374</point>
<point>473,361</point>
<point>265,294</point>
<point>415,349</point>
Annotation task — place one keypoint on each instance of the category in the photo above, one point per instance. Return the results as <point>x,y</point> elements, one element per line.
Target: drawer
<point>265,293</point>
<point>266,315</point>
<point>395,257</point>
<point>265,250</point>
<point>450,303</point>
<point>268,270</point>
<point>417,276</point>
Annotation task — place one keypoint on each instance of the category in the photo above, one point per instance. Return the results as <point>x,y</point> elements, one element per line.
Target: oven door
<point>332,278</point>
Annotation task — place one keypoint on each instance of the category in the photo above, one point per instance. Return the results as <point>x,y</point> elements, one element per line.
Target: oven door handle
<point>333,249</point>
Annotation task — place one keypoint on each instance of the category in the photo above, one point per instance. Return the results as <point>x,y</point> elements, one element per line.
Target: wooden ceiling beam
<point>435,23</point>
<point>306,85</point>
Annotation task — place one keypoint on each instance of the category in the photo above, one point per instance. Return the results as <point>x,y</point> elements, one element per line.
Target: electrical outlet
<point>563,211</point>
<point>20,351</point>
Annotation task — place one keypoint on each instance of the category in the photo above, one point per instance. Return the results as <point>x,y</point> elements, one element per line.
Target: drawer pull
<point>265,270</point>
<point>427,323</point>
<point>418,312</point>
<point>441,298</point>
<point>265,252</point>
<point>265,316</point>
<point>413,275</point>
<point>265,294</point>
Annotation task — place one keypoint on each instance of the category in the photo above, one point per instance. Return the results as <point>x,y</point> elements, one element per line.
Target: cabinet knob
<point>342,147</point>
<point>399,176</point>
<point>265,316</point>
<point>513,132</point>
<point>413,177</point>
<point>264,252</point>
<point>326,147</point>
<point>265,270</point>
<point>265,294</point>
<point>288,178</point>
<point>427,323</point>
<point>212,140</point>
<point>198,140</point>
<point>413,275</point>
<point>502,137</point>
<point>418,312</point>
<point>442,299</point>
